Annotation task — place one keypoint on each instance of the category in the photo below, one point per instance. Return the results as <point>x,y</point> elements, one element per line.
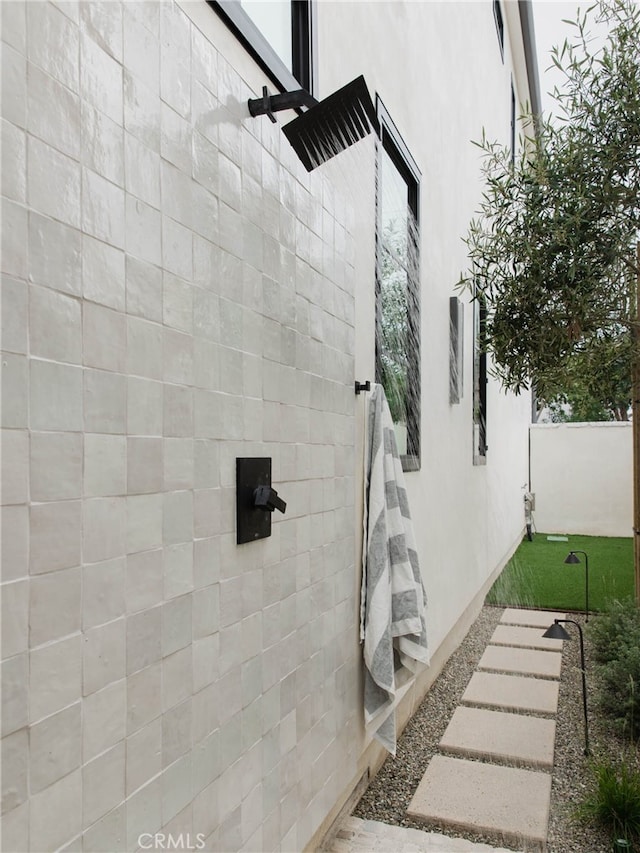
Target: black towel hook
<point>363,386</point>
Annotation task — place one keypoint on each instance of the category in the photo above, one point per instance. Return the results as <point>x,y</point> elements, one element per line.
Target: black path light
<point>557,632</point>
<point>572,559</point>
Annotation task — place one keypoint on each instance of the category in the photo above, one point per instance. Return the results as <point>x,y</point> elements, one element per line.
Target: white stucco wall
<point>179,292</point>
<point>582,478</point>
<point>438,70</point>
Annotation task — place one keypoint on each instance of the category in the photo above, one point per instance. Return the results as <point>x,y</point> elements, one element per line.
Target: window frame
<point>499,20</point>
<point>512,128</point>
<point>302,43</point>
<point>480,379</point>
<point>392,143</point>
<point>456,350</point>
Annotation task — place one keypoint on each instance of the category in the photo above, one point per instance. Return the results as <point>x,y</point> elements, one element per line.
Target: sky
<point>550,30</point>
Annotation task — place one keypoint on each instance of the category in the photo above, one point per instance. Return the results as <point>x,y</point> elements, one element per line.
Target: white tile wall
<point>56,466</point>
<point>103,784</point>
<point>55,747</point>
<point>55,536</point>
<point>55,326</point>
<point>14,756</point>
<point>103,659</point>
<point>15,693</point>
<point>104,719</point>
<point>15,467</point>
<point>56,813</point>
<point>54,605</point>
<point>172,299</point>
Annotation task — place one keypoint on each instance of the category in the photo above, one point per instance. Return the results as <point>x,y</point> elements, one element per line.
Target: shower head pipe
<point>270,104</point>
<point>327,127</point>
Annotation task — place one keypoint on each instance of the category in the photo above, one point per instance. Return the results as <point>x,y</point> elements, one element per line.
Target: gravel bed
<point>388,796</point>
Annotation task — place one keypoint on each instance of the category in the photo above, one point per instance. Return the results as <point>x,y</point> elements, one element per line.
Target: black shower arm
<point>270,104</point>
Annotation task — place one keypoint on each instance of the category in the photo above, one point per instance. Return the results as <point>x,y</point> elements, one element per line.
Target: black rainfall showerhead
<point>327,127</point>
<point>332,125</point>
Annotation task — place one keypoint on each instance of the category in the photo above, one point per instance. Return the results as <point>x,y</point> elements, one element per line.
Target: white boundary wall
<point>581,476</point>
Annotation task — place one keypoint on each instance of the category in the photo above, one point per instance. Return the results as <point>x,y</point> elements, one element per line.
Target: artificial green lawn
<point>536,575</point>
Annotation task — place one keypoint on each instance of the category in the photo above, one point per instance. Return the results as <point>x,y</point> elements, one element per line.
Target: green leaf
<point>552,246</point>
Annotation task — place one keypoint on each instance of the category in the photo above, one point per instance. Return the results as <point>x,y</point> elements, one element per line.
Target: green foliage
<point>393,335</point>
<point>595,385</point>
<point>616,638</point>
<point>575,407</point>
<point>620,694</point>
<point>612,632</point>
<point>396,266</point>
<point>552,249</point>
<point>536,575</point>
<point>615,801</point>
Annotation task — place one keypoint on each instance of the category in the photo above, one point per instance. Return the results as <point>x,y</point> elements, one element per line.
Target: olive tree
<point>594,385</point>
<point>553,248</point>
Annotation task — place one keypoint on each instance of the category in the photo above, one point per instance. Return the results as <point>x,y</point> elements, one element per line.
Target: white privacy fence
<point>581,477</point>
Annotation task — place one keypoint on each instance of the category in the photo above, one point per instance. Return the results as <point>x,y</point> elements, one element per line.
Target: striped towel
<point>393,600</point>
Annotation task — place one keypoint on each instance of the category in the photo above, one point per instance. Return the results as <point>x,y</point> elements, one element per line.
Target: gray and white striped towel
<point>393,600</point>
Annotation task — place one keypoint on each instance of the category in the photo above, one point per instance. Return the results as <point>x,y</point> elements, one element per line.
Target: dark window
<point>398,287</point>
<point>513,126</point>
<point>456,349</point>
<point>479,380</point>
<point>278,34</point>
<point>497,14</point>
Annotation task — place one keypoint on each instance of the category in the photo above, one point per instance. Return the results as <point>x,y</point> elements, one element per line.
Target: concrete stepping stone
<point>532,618</point>
<point>521,661</point>
<point>514,692</point>
<point>509,803</point>
<point>529,638</point>
<point>372,836</point>
<point>514,738</point>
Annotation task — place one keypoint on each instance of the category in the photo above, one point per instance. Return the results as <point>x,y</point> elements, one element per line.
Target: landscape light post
<point>557,632</point>
<point>573,560</point>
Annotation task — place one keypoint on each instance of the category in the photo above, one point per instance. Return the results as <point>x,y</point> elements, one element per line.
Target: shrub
<point>615,629</point>
<point>616,639</point>
<point>615,802</point>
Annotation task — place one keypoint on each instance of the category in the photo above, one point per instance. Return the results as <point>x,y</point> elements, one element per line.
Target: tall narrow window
<point>497,14</point>
<point>397,288</point>
<point>479,380</point>
<point>273,19</point>
<point>456,349</point>
<point>278,33</point>
<point>512,138</point>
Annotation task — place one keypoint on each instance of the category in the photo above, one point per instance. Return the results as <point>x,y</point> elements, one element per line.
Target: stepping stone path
<point>532,618</point>
<point>525,638</point>
<point>372,836</point>
<point>501,736</point>
<point>507,802</point>
<point>512,692</point>
<point>506,794</point>
<point>522,661</point>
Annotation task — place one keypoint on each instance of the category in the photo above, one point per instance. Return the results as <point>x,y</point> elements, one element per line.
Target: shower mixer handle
<point>267,498</point>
